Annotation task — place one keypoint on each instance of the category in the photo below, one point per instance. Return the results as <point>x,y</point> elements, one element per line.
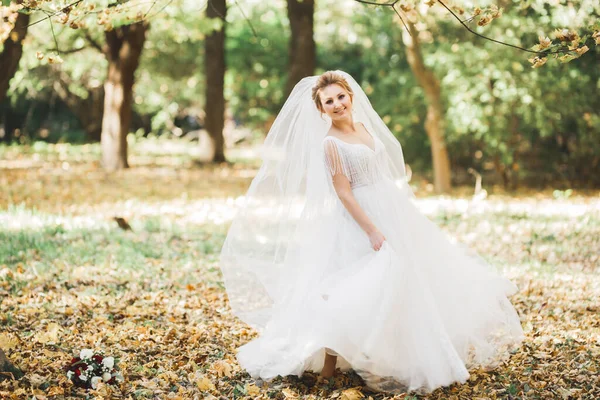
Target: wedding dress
<point>413,316</point>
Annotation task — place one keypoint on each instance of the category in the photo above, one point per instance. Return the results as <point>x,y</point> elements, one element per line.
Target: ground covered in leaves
<point>152,296</point>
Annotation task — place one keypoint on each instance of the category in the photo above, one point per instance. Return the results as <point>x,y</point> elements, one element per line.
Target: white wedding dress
<point>414,316</point>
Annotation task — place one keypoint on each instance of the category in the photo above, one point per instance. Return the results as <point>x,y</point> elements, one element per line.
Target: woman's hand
<point>376,239</point>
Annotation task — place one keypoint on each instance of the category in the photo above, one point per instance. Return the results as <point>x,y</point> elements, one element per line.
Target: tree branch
<point>93,41</point>
<point>401,19</point>
<point>392,4</point>
<point>158,12</point>
<point>54,35</point>
<point>486,37</point>
<point>76,50</point>
<point>539,53</point>
<point>76,2</point>
<point>246,18</point>
<point>463,23</point>
<point>149,9</point>
<point>50,15</point>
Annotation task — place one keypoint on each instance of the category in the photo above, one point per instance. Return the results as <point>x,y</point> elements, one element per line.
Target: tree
<point>13,49</point>
<point>123,49</point>
<point>302,49</point>
<point>88,109</point>
<point>570,44</point>
<point>452,37</point>
<point>434,122</point>
<point>124,35</point>
<point>214,66</point>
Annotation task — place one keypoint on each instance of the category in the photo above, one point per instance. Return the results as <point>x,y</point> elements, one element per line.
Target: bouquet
<point>90,368</point>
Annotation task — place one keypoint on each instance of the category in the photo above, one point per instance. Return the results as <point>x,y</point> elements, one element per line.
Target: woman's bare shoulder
<point>360,124</point>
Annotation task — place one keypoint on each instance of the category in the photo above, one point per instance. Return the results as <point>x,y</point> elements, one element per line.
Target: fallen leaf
<point>352,394</point>
<point>289,394</point>
<point>50,335</point>
<point>8,341</point>
<point>222,368</point>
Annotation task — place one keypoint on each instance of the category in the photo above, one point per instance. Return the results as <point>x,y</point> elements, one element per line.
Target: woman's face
<point>336,102</point>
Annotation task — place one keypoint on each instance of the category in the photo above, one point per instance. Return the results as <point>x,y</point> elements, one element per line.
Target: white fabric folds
<point>414,316</point>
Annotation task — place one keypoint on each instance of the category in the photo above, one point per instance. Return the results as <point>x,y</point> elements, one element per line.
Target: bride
<point>329,258</point>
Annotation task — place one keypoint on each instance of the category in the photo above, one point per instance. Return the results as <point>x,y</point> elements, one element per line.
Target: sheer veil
<point>281,235</point>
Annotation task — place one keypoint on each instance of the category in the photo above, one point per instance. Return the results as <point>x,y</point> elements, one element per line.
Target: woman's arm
<point>344,192</point>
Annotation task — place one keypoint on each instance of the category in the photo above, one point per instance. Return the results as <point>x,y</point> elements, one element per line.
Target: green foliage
<point>506,120</point>
<point>257,65</point>
<point>538,125</point>
<point>170,80</point>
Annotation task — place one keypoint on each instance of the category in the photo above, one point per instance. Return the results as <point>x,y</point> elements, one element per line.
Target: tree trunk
<point>8,370</point>
<point>88,110</point>
<point>11,54</point>
<point>123,50</point>
<point>514,144</point>
<point>434,123</point>
<point>302,49</point>
<point>214,66</point>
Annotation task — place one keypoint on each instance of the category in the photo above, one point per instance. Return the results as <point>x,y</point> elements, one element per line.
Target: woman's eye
<point>328,102</point>
<point>342,96</point>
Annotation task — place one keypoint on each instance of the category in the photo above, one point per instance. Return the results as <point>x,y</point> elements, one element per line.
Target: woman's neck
<point>345,126</point>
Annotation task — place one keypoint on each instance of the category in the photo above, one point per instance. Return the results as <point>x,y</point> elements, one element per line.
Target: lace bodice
<point>357,161</point>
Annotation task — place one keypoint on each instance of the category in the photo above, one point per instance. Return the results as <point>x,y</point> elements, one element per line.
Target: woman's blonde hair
<point>326,79</point>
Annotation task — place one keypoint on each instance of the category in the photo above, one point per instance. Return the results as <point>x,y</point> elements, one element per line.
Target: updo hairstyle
<point>326,79</point>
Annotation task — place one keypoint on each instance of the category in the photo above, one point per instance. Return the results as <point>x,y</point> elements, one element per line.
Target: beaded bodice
<point>361,164</point>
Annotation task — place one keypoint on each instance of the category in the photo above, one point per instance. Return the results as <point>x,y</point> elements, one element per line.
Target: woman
<point>331,260</point>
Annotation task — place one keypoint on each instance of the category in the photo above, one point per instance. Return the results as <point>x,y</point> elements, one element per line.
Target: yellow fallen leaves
<point>252,390</point>
<point>56,391</point>
<point>169,321</point>
<point>8,341</point>
<point>169,377</point>
<point>148,384</point>
<point>50,335</point>
<point>36,379</point>
<point>202,382</point>
<point>103,391</point>
<point>222,368</point>
<point>542,356</point>
<point>290,394</point>
<point>352,394</point>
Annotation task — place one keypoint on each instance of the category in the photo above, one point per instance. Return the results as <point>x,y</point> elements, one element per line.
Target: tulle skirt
<point>414,316</point>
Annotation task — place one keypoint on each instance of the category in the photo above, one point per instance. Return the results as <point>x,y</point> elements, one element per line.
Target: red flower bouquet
<point>90,368</point>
